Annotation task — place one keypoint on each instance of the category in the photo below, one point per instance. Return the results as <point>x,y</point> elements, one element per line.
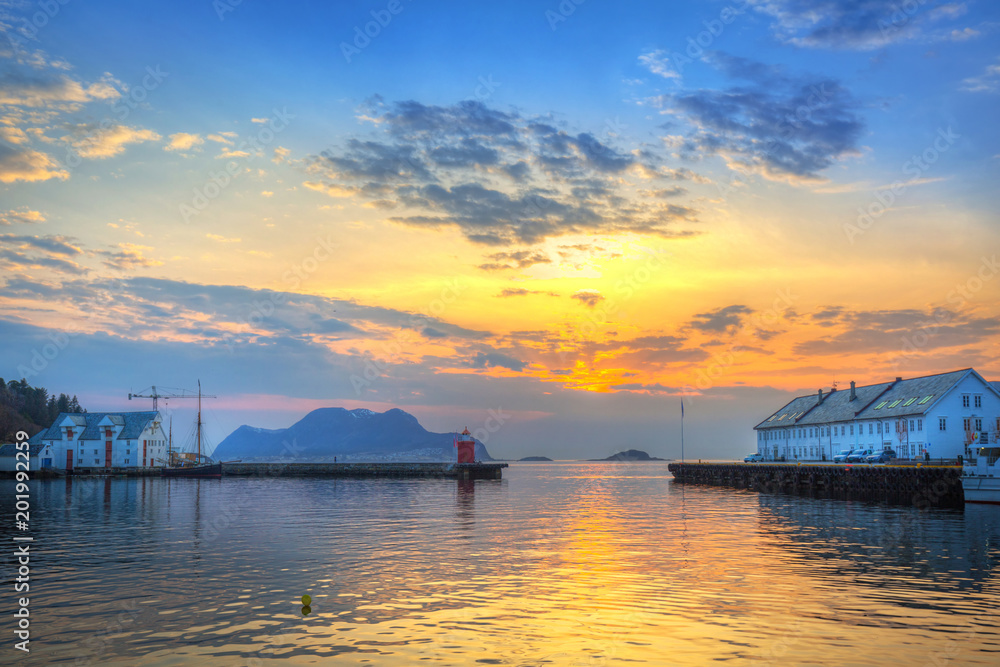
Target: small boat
<point>981,476</point>
<point>201,466</point>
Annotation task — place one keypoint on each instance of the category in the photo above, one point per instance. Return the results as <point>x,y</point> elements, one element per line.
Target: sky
<point>551,222</point>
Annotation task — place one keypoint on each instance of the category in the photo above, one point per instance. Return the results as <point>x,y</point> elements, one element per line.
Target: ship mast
<point>198,460</point>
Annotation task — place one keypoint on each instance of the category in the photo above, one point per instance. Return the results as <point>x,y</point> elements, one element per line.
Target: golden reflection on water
<point>560,564</point>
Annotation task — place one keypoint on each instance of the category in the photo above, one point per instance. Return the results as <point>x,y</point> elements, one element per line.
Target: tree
<point>30,409</point>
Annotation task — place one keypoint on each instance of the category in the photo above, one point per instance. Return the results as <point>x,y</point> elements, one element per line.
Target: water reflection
<point>465,503</point>
<point>567,563</point>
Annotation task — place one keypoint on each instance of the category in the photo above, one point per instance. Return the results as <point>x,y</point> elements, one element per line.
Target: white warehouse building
<point>91,440</point>
<point>940,416</point>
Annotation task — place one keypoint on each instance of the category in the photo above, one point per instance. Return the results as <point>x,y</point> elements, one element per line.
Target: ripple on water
<point>587,563</point>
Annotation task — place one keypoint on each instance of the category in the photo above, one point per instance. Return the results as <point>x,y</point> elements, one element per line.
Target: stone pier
<point>919,485</point>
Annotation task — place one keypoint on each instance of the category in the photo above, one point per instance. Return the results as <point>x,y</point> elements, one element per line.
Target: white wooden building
<point>936,415</point>
<point>39,456</point>
<point>102,440</point>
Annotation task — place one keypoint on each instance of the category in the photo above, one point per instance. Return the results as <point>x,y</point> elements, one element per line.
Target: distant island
<point>349,435</point>
<point>535,458</point>
<point>630,455</point>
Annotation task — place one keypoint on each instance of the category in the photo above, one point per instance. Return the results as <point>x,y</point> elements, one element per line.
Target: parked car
<point>842,456</point>
<point>881,457</point>
<point>858,455</point>
<point>753,458</point>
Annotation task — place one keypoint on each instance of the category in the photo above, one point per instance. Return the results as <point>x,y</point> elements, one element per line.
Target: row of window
<point>902,426</point>
<point>968,423</point>
<point>978,399</point>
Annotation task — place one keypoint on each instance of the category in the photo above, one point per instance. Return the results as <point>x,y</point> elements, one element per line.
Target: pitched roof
<point>924,392</point>
<point>837,406</point>
<point>11,450</point>
<point>134,424</point>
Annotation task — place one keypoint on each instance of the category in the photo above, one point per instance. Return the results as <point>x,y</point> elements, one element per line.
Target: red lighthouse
<point>466,447</point>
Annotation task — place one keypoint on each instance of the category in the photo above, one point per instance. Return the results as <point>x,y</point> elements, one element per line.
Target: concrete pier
<point>922,486</point>
<point>439,470</point>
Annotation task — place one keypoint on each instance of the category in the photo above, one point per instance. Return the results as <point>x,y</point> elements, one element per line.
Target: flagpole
<point>682,431</point>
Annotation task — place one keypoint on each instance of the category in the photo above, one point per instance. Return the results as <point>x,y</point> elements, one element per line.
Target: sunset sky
<point>573,213</point>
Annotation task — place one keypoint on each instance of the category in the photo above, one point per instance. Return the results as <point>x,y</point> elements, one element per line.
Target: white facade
<point>962,407</point>
<point>40,455</point>
<point>107,440</point>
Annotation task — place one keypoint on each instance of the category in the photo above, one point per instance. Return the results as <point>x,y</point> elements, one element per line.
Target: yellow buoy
<point>306,600</point>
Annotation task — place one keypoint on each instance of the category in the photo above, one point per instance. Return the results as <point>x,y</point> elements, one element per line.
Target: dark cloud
<point>781,126</point>
<point>654,388</point>
<point>25,287</point>
<point>126,258</point>
<point>723,319</point>
<point>376,162</point>
<point>412,119</point>
<point>856,24</point>
<point>665,193</point>
<point>60,245</point>
<point>22,252</point>
<point>518,259</point>
<point>906,331</point>
<point>500,178</point>
<point>430,332</point>
<point>155,307</point>
<point>332,325</point>
<point>488,359</point>
<point>589,298</point>
<point>520,291</point>
<point>14,260</point>
<point>467,154</point>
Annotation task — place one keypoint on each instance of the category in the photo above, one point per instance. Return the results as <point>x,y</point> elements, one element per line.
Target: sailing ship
<point>179,465</point>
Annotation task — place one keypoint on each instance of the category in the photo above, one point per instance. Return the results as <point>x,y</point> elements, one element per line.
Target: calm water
<point>559,564</point>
